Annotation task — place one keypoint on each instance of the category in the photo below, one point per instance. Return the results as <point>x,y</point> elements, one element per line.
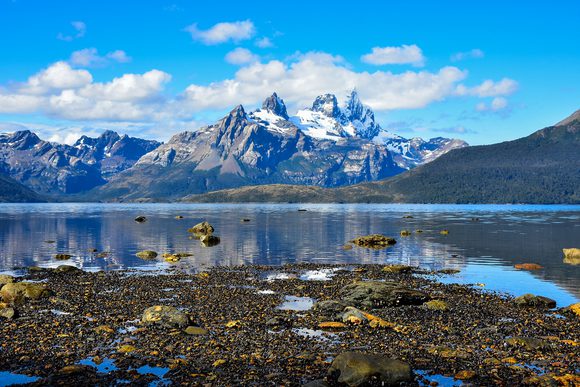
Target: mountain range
<point>543,167</point>
<point>327,145</point>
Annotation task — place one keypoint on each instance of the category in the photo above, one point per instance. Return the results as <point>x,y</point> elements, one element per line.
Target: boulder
<point>405,233</point>
<point>374,241</point>
<point>147,254</point>
<point>353,315</point>
<point>329,309</point>
<point>572,256</point>
<point>357,369</point>
<point>527,343</point>
<point>164,316</point>
<point>7,313</point>
<point>376,294</point>
<point>530,300</point>
<point>19,291</point>
<point>191,330</point>
<point>5,279</point>
<point>575,308</point>
<point>203,228</point>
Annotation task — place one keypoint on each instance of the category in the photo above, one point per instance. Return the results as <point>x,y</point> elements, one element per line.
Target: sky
<point>485,71</point>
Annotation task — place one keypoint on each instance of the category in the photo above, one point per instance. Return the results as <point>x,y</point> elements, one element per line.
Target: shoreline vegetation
<point>327,325</point>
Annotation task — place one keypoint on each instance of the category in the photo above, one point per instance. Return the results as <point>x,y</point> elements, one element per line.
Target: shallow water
<point>485,250</point>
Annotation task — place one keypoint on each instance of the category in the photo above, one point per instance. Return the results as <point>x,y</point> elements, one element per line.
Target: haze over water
<point>484,250</point>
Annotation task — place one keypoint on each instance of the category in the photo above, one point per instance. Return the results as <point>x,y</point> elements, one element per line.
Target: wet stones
<point>356,369</point>
<point>375,294</point>
<point>374,241</point>
<point>530,300</point>
<point>164,316</point>
<point>17,292</point>
<point>147,254</point>
<point>203,228</point>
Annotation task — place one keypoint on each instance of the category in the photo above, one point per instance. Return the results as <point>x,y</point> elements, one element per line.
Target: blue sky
<point>484,72</point>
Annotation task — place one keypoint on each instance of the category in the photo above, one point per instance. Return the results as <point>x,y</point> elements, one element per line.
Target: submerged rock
<point>165,316</point>
<point>374,241</point>
<point>203,228</point>
<point>357,369</point>
<point>531,300</point>
<point>209,240</point>
<point>528,266</point>
<point>140,219</point>
<point>572,256</point>
<point>405,233</point>
<point>19,291</point>
<point>147,254</point>
<point>375,294</point>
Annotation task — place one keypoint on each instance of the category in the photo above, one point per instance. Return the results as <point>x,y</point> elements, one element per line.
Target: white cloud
<point>489,88</point>
<point>241,56</point>
<point>497,104</point>
<point>223,32</point>
<point>264,42</point>
<point>80,30</point>
<point>62,92</point>
<point>395,55</point>
<point>307,76</point>
<point>88,57</point>
<point>471,54</point>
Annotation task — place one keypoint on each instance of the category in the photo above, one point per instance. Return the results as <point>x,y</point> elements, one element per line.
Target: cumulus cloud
<point>497,105</point>
<point>88,57</point>
<point>223,32</point>
<point>475,53</point>
<point>309,75</point>
<point>406,54</point>
<point>241,56</point>
<point>63,92</point>
<point>489,88</point>
<point>264,42</point>
<point>80,30</point>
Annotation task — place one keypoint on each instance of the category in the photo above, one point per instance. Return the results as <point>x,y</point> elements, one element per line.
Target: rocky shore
<point>290,325</point>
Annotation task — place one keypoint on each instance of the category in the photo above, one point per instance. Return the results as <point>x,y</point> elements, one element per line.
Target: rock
<point>165,316</point>
<point>353,315</point>
<point>531,300</point>
<point>398,269</point>
<point>62,257</point>
<point>171,258</point>
<point>104,329</point>
<point>93,250</point>
<point>140,219</point>
<point>5,279</point>
<point>203,228</point>
<point>356,369</point>
<point>279,321</point>
<point>7,312</point>
<point>316,383</point>
<point>436,305</point>
<point>374,241</point>
<point>527,343</point>
<point>183,255</point>
<point>209,240</point>
<point>572,256</point>
<point>126,348</point>
<point>465,375</point>
<point>405,233</point>
<point>528,266</point>
<point>179,217</point>
<point>77,369</point>
<point>575,308</point>
<point>329,309</point>
<point>245,220</point>
<point>347,247</point>
<point>67,269</point>
<point>19,291</point>
<point>444,232</point>
<point>147,254</point>
<point>447,352</point>
<point>332,325</point>
<point>419,231</point>
<point>448,271</point>
<point>191,330</point>
<point>408,217</point>
<point>375,294</point>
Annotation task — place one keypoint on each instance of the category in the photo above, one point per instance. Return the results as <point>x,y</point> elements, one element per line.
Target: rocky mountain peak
<point>275,105</point>
<point>353,107</point>
<point>570,119</point>
<point>327,105</point>
<point>22,139</point>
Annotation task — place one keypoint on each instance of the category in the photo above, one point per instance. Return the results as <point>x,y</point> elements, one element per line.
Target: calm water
<point>484,251</point>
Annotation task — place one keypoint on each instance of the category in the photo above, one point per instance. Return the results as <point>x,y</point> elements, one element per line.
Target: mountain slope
<point>13,192</point>
<point>541,168</point>
<point>53,168</point>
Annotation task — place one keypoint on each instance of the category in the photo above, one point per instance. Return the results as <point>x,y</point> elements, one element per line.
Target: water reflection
<point>277,234</point>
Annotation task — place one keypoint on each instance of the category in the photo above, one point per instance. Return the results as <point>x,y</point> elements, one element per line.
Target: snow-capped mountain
<point>53,168</point>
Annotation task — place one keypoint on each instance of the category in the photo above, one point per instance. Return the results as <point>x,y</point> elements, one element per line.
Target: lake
<point>485,250</point>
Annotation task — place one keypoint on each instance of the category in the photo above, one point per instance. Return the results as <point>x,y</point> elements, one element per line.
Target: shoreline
<point>238,334</point>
